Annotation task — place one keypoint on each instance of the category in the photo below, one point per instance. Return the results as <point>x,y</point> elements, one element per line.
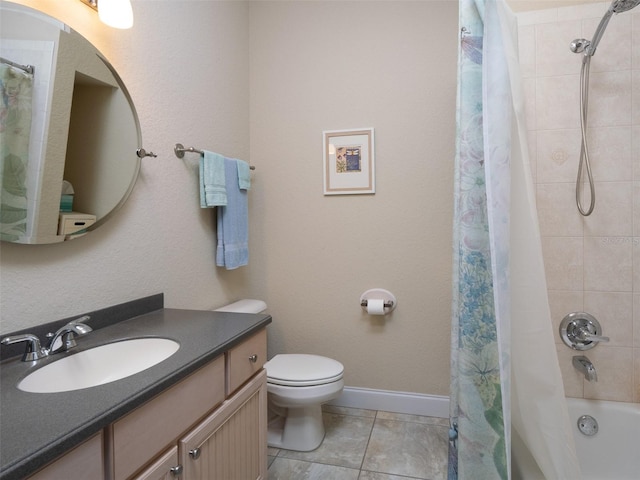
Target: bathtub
<point>613,453</point>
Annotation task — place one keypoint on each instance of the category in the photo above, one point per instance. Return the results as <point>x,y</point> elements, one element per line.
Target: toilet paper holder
<point>388,298</point>
<point>387,304</point>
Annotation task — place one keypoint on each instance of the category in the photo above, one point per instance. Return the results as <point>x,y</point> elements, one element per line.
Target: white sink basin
<point>99,365</point>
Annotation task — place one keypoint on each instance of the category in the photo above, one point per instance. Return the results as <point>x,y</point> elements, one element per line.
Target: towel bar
<point>180,149</point>
<point>27,68</point>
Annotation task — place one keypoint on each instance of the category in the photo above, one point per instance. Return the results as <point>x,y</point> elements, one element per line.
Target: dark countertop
<point>35,428</point>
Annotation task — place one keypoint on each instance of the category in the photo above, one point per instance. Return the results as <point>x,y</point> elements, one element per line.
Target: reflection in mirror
<point>68,131</point>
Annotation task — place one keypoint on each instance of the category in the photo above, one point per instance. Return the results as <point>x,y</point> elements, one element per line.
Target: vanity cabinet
<point>85,462</point>
<point>212,425</point>
<point>231,442</point>
<point>141,435</point>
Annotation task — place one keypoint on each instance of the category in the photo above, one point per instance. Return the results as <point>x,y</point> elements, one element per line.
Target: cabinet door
<point>164,468</point>
<point>230,444</point>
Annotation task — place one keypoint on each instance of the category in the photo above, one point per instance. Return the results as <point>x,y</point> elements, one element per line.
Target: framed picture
<point>349,163</point>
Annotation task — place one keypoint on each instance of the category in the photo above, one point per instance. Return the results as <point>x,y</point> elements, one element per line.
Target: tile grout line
<point>364,455</point>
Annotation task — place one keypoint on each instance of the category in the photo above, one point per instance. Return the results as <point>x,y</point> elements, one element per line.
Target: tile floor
<point>369,445</point>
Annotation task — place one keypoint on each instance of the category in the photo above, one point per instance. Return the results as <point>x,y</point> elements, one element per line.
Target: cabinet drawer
<point>83,462</point>
<point>151,428</point>
<point>244,360</point>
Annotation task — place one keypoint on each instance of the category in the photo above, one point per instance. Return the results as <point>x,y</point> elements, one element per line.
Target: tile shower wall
<point>592,263</point>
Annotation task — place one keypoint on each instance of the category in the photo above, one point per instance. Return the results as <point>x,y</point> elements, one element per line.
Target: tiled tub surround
<point>36,428</point>
<point>592,263</point>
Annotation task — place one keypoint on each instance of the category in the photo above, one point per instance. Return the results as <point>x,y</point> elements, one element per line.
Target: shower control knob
<point>581,331</point>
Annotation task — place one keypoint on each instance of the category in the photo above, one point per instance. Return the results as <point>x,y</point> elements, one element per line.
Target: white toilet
<point>297,386</point>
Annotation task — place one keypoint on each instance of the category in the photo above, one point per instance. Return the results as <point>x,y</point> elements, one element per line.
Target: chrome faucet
<point>61,341</point>
<point>33,351</point>
<point>584,366</point>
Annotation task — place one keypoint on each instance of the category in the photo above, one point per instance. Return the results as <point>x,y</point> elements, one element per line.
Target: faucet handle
<point>79,326</point>
<point>581,331</point>
<point>33,350</point>
<point>586,336</point>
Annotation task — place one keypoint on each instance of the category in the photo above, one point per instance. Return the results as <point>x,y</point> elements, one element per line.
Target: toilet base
<point>301,430</point>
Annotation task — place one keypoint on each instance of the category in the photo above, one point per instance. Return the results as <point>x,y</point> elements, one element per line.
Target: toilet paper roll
<point>375,306</point>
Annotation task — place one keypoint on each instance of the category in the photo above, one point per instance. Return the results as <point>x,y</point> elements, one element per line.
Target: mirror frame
<point>136,120</point>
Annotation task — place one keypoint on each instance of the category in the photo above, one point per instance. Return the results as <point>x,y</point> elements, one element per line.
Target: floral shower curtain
<point>15,129</point>
<point>504,369</point>
<point>480,361</point>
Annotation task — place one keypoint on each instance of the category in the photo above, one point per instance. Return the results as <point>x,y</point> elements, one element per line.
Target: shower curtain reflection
<point>503,358</point>
<point>15,130</point>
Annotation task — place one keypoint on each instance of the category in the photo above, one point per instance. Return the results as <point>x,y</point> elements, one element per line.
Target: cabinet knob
<point>253,358</point>
<point>195,453</point>
<point>176,471</point>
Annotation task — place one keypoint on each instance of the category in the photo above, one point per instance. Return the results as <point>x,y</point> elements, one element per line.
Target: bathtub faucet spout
<point>584,365</point>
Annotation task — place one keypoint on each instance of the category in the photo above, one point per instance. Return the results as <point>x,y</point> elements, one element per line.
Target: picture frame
<point>349,162</point>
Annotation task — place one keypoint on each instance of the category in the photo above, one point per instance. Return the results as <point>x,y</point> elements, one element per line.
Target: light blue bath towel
<point>244,175</point>
<point>233,222</point>
<point>213,191</point>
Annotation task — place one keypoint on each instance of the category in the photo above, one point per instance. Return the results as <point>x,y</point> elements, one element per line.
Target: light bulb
<point>116,13</point>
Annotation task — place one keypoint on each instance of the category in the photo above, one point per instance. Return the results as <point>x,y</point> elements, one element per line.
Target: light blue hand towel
<point>244,175</point>
<point>233,222</point>
<point>213,191</point>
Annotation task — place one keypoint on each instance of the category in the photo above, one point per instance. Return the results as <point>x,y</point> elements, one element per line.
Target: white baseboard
<point>390,401</point>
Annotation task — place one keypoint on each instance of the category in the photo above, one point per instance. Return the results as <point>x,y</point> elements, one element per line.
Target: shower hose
<point>584,148</point>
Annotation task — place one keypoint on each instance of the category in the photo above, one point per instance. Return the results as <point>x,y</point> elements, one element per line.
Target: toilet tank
<point>245,305</point>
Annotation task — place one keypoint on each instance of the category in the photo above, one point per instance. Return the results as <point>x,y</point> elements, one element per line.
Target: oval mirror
<point>69,131</point>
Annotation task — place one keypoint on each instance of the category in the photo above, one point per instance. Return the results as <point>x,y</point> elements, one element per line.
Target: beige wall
<point>262,81</point>
<point>314,66</point>
<point>592,263</point>
<point>186,65</point>
<point>339,65</point>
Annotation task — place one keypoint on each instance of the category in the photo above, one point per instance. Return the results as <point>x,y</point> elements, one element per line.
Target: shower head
<point>589,47</point>
<point>619,6</point>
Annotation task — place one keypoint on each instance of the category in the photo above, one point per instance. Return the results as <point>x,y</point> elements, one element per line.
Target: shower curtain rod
<point>180,149</point>
<point>27,68</point>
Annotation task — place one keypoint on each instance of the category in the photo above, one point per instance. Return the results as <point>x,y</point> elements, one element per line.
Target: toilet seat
<point>302,370</point>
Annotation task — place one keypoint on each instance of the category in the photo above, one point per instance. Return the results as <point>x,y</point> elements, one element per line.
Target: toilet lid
<point>294,369</point>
